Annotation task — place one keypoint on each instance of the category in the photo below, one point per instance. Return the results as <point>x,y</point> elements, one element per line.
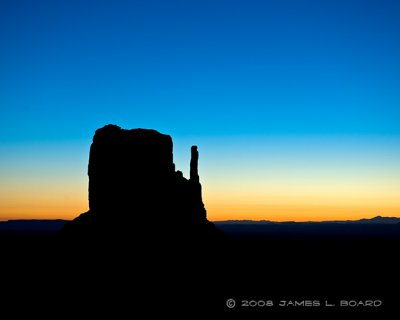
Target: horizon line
<point>233,220</point>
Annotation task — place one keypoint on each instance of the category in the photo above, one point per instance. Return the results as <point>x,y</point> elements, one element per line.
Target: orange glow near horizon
<point>220,212</point>
<point>262,198</point>
<point>282,212</point>
<point>43,201</point>
<point>293,183</point>
<point>67,205</point>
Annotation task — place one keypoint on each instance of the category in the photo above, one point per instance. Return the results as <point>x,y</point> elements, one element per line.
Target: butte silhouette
<point>135,191</point>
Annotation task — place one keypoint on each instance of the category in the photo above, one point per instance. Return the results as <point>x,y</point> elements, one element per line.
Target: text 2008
<point>257,303</point>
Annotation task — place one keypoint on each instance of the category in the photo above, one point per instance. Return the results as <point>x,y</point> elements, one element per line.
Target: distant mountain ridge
<point>55,225</point>
<point>374,228</point>
<point>32,225</point>
<point>374,220</point>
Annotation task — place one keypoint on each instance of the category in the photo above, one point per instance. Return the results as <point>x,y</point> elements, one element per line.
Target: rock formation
<point>134,189</point>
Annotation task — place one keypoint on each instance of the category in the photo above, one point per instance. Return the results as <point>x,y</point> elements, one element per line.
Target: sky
<point>294,105</point>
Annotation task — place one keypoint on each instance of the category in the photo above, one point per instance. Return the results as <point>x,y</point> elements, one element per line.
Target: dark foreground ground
<point>276,271</point>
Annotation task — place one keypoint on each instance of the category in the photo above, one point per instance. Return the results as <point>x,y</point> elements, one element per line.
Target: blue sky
<point>241,72</point>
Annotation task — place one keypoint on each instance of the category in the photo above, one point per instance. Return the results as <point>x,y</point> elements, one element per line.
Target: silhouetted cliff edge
<point>135,191</point>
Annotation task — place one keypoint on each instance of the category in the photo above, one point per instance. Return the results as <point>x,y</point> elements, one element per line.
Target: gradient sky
<point>295,105</point>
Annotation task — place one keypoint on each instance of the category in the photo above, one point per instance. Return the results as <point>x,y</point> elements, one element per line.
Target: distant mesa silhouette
<point>134,190</point>
<point>372,221</point>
